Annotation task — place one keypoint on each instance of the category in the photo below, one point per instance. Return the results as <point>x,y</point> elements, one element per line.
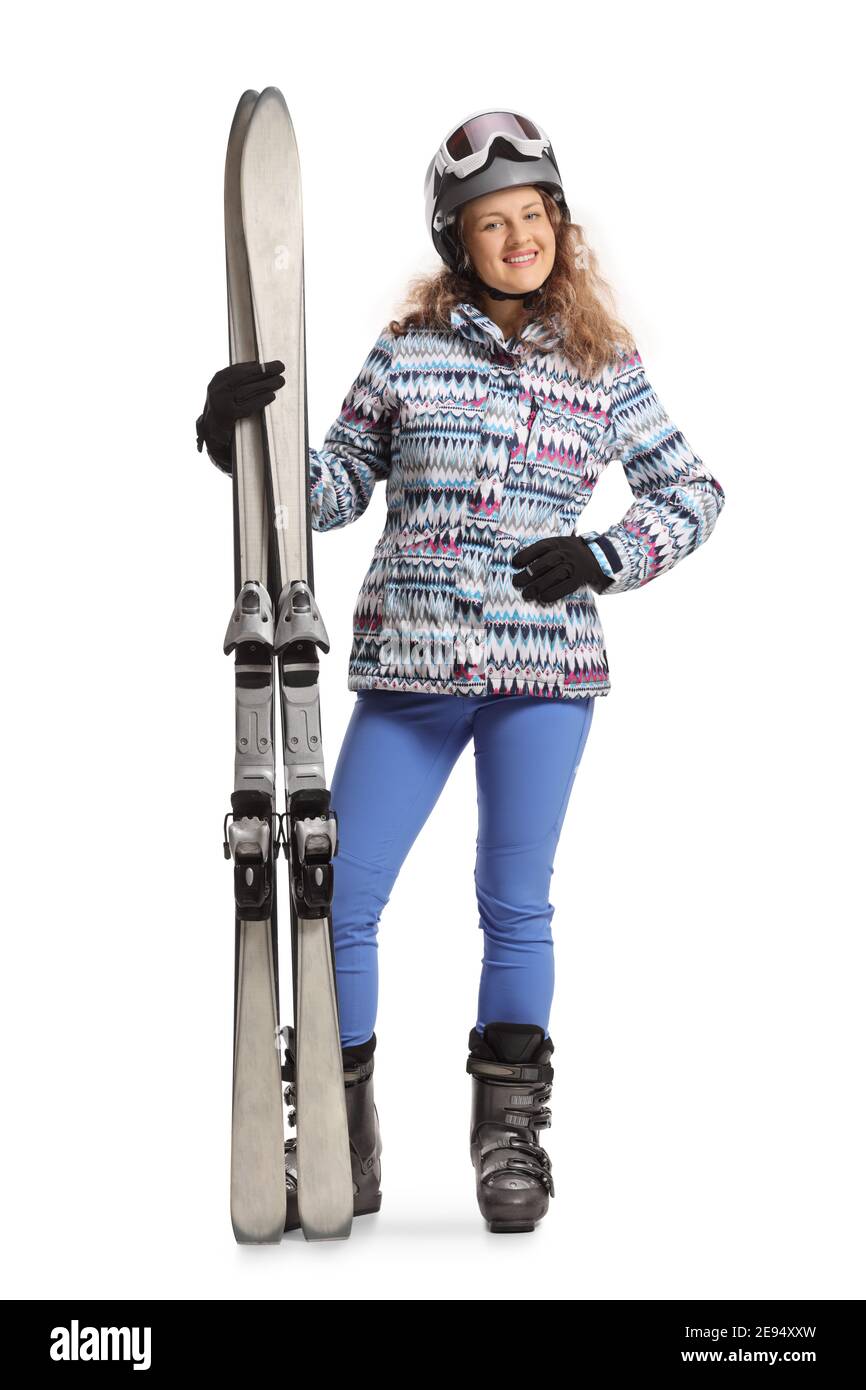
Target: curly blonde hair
<point>575,291</point>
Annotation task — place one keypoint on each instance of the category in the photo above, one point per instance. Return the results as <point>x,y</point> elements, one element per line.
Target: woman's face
<point>512,222</point>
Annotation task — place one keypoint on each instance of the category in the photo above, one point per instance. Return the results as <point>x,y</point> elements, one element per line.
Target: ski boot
<point>365,1141</point>
<point>511,1080</point>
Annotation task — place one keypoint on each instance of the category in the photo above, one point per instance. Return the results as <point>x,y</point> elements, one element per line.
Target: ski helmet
<point>487,151</point>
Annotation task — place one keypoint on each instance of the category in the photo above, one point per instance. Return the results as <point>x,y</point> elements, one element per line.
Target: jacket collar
<point>477,327</point>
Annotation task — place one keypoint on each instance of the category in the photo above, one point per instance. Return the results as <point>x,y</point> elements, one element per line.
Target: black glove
<point>234,393</point>
<point>559,566</point>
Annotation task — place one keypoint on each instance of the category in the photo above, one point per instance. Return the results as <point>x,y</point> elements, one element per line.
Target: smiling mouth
<point>523,258</point>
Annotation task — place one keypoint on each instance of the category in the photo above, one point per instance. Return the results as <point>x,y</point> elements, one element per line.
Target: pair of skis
<point>274,633</point>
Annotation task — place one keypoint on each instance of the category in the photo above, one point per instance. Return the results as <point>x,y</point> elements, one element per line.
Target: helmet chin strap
<point>528,299</point>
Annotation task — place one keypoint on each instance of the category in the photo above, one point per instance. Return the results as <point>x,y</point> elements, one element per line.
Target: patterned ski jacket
<point>486,445</point>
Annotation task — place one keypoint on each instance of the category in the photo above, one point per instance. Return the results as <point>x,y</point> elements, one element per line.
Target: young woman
<point>490,410</point>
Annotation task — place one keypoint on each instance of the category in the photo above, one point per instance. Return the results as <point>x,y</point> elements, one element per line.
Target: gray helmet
<point>485,152</point>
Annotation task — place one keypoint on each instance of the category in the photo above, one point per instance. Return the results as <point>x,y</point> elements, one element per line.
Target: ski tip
<point>271,114</point>
<point>272,96</point>
<point>246,103</point>
<point>241,119</point>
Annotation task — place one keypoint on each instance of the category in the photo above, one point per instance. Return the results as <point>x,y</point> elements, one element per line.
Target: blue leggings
<point>394,762</point>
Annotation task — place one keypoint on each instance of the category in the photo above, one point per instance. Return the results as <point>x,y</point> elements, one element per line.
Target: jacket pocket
<point>543,477</point>
<point>585,656</point>
<point>555,452</point>
<point>420,577</point>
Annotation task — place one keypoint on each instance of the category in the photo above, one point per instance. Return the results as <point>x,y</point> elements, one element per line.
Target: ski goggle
<point>465,149</point>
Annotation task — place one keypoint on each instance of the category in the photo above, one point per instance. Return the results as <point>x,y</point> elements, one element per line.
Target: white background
<point>707,1135</point>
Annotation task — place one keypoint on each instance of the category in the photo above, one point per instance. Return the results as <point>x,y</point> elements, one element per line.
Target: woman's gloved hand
<point>557,566</point>
<point>235,392</point>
